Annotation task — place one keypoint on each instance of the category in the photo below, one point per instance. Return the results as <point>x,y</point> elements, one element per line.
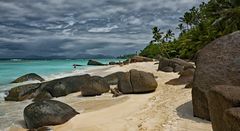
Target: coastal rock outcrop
<point>142,82</point>
<point>217,64</point>
<point>113,78</point>
<point>59,87</point>
<point>65,86</point>
<point>94,62</point>
<point>96,85</point>
<point>124,83</point>
<point>175,65</point>
<point>27,77</point>
<point>46,113</point>
<point>23,92</point>
<point>222,100</point>
<point>135,59</point>
<point>136,81</point>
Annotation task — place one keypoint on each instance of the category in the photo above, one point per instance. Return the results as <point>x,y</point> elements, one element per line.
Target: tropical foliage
<point>198,27</point>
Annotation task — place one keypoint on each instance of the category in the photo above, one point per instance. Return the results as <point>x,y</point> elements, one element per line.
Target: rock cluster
<point>218,63</point>
<point>89,85</point>
<point>173,65</point>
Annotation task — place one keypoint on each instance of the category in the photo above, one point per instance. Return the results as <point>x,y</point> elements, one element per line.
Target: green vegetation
<point>198,27</point>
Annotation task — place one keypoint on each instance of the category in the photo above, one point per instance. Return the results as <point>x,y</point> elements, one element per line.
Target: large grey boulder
<point>95,85</point>
<point>217,64</point>
<point>23,92</point>
<point>220,99</point>
<point>136,81</point>
<point>47,113</point>
<point>113,78</point>
<point>27,77</point>
<point>142,82</point>
<point>65,86</point>
<point>124,83</point>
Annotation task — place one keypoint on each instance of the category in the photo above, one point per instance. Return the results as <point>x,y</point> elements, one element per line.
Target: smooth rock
<point>124,84</point>
<point>47,113</point>
<point>217,64</point>
<point>27,77</point>
<point>231,118</point>
<point>65,86</point>
<point>96,85</point>
<point>220,99</point>
<point>137,82</point>
<point>142,82</point>
<point>23,92</point>
<point>113,78</point>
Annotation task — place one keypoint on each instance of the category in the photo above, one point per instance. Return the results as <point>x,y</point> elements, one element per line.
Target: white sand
<point>169,108</point>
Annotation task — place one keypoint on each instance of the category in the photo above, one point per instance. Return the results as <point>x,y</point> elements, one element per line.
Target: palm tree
<point>181,28</point>
<point>168,36</point>
<point>157,34</point>
<point>186,19</point>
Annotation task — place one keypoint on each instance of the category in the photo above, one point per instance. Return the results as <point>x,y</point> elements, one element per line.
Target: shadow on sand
<point>186,111</point>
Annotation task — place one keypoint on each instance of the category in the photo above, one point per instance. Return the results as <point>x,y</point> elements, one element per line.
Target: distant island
<point>78,56</point>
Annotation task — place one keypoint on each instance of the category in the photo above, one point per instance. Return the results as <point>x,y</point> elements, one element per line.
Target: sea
<point>48,69</point>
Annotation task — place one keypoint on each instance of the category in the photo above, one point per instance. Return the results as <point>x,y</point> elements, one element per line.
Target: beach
<point>169,108</point>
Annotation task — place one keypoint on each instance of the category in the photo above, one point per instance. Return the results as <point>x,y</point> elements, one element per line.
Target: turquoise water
<point>12,69</point>
<point>11,112</point>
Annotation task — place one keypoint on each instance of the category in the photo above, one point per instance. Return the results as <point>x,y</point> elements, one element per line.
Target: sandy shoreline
<point>167,109</point>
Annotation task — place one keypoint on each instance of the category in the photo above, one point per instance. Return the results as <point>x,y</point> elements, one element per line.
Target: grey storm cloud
<point>65,27</point>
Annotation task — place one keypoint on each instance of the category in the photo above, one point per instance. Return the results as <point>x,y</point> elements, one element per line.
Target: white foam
<point>75,72</point>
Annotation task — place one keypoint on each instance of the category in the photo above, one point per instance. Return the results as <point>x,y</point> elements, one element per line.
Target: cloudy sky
<point>69,27</point>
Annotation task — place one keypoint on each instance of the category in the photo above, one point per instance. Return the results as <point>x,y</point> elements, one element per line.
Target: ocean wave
<point>3,94</point>
<point>71,73</point>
